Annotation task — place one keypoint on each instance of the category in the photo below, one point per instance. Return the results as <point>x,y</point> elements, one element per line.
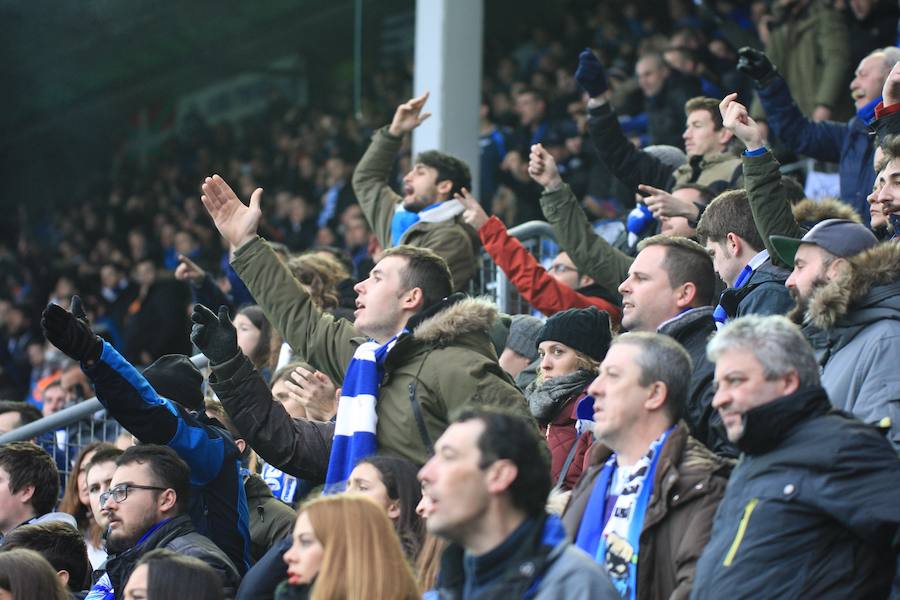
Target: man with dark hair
<point>669,290</point>
<point>811,508</point>
<point>740,258</point>
<point>429,216</point>
<point>14,414</point>
<point>29,487</point>
<point>164,405</point>
<point>420,360</point>
<point>644,454</point>
<point>61,544</point>
<point>665,92</point>
<point>147,507</point>
<point>485,490</point>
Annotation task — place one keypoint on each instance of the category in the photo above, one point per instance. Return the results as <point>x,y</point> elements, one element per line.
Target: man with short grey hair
<point>847,289</point>
<point>811,508</point>
<point>644,507</point>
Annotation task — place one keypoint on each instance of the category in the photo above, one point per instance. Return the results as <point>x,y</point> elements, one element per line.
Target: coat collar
<point>766,426</point>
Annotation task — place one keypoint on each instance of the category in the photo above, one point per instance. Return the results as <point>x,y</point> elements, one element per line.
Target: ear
<point>724,136</point>
<point>443,188</point>
<point>659,393</point>
<point>733,243</point>
<point>241,445</point>
<point>501,475</point>
<point>63,576</point>
<point>837,266</point>
<point>393,511</point>
<point>167,500</point>
<point>585,281</point>
<point>686,294</point>
<point>25,493</point>
<point>791,383</point>
<point>412,300</point>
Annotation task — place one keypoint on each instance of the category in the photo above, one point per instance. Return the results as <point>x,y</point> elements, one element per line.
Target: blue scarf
<point>592,538</point>
<point>436,213</point>
<point>719,314</point>
<point>354,432</point>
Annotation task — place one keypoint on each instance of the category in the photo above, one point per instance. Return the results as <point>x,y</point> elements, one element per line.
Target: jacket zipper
<point>742,528</point>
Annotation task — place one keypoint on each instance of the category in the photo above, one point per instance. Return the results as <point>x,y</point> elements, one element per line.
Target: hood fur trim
<point>810,211</point>
<point>876,266</point>
<point>468,315</point>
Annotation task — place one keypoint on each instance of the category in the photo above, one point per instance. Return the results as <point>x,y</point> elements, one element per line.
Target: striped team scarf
<point>354,432</point>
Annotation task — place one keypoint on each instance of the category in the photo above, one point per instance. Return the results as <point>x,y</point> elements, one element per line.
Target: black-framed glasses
<point>120,492</point>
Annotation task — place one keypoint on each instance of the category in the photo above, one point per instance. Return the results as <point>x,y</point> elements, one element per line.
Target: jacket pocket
<point>742,529</point>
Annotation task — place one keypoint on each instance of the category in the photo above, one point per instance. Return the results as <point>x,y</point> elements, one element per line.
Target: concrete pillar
<point>448,59</point>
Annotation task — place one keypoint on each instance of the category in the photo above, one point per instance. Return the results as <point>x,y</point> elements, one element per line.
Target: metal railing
<point>88,421</point>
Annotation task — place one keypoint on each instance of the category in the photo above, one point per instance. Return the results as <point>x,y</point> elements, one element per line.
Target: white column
<point>448,61</point>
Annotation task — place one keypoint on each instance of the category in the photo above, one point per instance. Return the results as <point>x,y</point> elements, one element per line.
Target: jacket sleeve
<point>296,446</point>
<point>696,536</point>
<point>821,140</point>
<point>888,122</point>
<point>370,184</point>
<point>593,255</point>
<point>318,337</point>
<point>834,50</point>
<point>133,402</point>
<point>771,209</point>
<point>630,165</point>
<point>538,288</point>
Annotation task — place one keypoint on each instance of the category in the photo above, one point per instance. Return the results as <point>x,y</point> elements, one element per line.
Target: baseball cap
<point>840,237</point>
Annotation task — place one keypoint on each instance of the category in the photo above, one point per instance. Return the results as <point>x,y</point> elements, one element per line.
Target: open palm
<point>235,221</point>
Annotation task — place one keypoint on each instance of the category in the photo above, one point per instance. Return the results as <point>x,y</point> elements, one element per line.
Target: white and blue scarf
<point>720,315</point>
<point>615,545</point>
<point>436,213</point>
<point>354,432</point>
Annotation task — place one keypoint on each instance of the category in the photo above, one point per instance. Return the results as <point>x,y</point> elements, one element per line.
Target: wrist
<point>754,145</point>
<point>395,131</point>
<point>554,185</point>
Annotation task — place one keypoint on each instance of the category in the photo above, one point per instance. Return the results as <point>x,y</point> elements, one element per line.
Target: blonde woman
<point>345,547</point>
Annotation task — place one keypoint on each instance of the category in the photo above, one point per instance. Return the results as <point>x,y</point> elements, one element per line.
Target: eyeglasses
<point>561,268</point>
<point>120,492</point>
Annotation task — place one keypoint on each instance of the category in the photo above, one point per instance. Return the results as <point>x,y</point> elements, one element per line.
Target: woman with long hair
<point>571,345</point>
<point>254,337</point>
<point>165,575</point>
<point>26,575</point>
<point>345,548</point>
<point>392,483</point>
<point>77,502</point>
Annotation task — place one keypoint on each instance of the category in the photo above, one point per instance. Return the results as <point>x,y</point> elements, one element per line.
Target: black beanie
<point>583,329</point>
<point>175,377</point>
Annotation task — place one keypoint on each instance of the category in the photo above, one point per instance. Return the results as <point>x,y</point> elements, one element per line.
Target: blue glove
<point>590,74</point>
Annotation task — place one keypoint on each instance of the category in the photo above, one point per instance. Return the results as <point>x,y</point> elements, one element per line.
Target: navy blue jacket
<point>218,502</point>
<point>848,144</point>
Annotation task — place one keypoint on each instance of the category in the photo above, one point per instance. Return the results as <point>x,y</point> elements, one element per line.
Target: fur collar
<point>874,267</point>
<point>465,316</point>
<point>809,212</point>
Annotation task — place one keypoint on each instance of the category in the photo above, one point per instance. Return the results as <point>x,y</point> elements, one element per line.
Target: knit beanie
<point>522,337</point>
<point>583,329</point>
<point>175,377</point>
<point>668,155</point>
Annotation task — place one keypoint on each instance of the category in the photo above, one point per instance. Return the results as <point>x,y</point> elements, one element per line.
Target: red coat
<point>538,287</point>
<point>561,435</point>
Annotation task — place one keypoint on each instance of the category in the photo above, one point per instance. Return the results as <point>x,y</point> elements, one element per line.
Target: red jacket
<point>538,287</point>
<point>561,436</point>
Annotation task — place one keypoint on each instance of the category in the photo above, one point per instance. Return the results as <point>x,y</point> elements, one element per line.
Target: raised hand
<point>590,74</point>
<point>315,391</point>
<point>755,64</point>
<point>214,334</point>
<point>188,270</point>
<point>890,93</point>
<point>663,204</point>
<point>474,215</point>
<point>70,332</point>
<point>737,120</point>
<point>408,116</point>
<point>542,168</point>
<point>236,222</point>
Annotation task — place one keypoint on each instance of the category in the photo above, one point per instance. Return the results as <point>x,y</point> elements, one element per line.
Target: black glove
<point>70,332</point>
<point>214,335</point>
<point>756,65</point>
<point>590,74</point>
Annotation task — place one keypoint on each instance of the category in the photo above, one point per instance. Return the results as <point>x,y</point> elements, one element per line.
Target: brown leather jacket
<point>689,483</point>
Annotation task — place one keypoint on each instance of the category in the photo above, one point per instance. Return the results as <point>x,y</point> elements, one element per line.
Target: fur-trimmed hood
<point>809,212</point>
<point>467,315</point>
<point>871,280</point>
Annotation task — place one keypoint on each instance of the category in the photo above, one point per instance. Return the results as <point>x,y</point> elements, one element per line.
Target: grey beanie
<point>668,155</point>
<point>523,332</point>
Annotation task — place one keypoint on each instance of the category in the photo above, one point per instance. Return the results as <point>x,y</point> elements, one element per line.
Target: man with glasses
<point>146,508</point>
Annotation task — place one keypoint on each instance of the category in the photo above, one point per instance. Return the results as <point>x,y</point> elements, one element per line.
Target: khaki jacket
<point>447,362</point>
<point>689,484</point>
<point>453,240</point>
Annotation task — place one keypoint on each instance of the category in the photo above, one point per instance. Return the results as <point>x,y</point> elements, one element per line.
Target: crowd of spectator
<point>701,402</point>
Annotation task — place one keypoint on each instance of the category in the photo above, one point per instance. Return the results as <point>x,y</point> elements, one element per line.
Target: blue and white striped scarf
<point>354,432</point>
